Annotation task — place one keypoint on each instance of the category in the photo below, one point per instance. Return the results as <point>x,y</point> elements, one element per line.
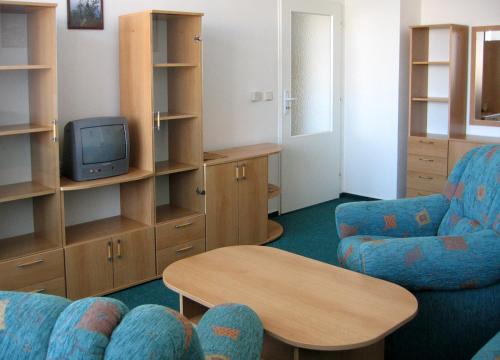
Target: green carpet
<point>309,232</point>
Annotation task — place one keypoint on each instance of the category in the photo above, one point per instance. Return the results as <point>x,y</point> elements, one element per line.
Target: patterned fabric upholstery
<point>231,331</point>
<point>490,351</point>
<point>158,333</point>
<point>84,328</point>
<point>38,327</point>
<point>439,242</point>
<point>26,322</point>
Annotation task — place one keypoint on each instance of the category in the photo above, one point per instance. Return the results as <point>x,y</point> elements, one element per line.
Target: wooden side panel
<point>252,197</point>
<point>222,205</point>
<point>136,86</point>
<point>89,271</point>
<point>47,218</point>
<point>134,257</point>
<point>459,45</point>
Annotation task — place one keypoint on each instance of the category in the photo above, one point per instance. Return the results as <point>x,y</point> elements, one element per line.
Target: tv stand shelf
<point>24,190</point>
<point>134,174</point>
<point>101,229</point>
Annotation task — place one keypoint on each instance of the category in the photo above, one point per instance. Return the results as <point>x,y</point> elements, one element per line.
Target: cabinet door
<point>221,187</point>
<point>89,268</point>
<point>252,197</point>
<point>134,257</point>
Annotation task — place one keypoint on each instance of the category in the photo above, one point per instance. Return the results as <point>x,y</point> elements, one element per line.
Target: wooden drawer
<point>31,270</point>
<point>428,146</point>
<point>426,182</point>
<point>170,255</point>
<point>415,193</point>
<point>180,232</point>
<point>52,287</point>
<point>427,164</point>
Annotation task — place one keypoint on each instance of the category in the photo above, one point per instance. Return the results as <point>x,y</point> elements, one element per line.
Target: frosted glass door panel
<point>312,35</point>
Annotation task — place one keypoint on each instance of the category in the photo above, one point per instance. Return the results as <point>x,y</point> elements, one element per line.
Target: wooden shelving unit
<point>422,62</point>
<point>161,88</point>
<point>435,117</point>
<point>29,161</point>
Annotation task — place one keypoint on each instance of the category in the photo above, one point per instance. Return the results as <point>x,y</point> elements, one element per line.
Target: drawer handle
<point>426,177</point>
<point>110,251</point>
<point>426,160</point>
<point>184,249</point>
<point>36,262</point>
<point>427,142</point>
<point>244,176</point>
<point>183,225</point>
<point>39,291</point>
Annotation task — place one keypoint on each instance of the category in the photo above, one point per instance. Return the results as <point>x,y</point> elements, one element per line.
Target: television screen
<point>103,144</point>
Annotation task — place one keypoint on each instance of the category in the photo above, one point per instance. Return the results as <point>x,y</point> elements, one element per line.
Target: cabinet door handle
<point>426,160</point>
<point>119,248</point>
<point>110,251</point>
<point>36,262</point>
<point>237,173</point>
<point>244,171</point>
<point>180,226</point>
<point>184,249</point>
<point>427,142</point>
<point>158,125</point>
<point>426,177</point>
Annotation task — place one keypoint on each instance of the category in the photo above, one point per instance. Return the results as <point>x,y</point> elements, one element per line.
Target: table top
<point>302,302</point>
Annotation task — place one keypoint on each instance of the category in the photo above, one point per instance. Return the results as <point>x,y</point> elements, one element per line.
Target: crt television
<point>96,148</point>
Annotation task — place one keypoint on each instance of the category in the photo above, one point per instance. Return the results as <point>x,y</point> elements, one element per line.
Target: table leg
<point>191,309</point>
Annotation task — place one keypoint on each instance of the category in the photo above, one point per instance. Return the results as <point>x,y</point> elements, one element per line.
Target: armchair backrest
<point>473,189</point>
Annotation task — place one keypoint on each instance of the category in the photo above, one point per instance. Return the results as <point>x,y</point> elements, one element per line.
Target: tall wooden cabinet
<point>161,89</point>
<point>31,256</point>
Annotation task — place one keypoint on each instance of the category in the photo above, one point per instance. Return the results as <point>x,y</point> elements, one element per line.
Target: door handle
<point>158,124</point>
<point>244,171</point>
<point>287,100</point>
<point>119,248</point>
<point>110,251</point>
<point>237,173</point>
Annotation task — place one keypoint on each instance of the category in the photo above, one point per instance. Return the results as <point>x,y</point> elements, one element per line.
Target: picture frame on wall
<point>86,14</point>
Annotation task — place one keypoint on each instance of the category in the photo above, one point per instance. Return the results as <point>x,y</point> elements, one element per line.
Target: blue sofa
<point>35,326</point>
<point>445,248</point>
<point>490,351</point>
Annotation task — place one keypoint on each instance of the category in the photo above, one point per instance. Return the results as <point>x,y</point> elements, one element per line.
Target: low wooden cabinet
<point>99,266</point>
<point>236,202</point>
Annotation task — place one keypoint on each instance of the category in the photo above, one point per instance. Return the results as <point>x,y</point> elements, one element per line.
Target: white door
<point>311,104</point>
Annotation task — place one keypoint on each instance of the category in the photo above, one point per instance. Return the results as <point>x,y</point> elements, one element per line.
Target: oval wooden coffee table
<point>310,310</point>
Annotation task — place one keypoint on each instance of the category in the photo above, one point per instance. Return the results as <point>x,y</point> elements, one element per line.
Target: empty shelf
<point>23,190</point>
<point>8,130</point>
<point>172,167</point>
<point>23,67</point>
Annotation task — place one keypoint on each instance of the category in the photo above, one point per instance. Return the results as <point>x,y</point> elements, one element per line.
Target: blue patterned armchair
<point>445,248</point>
<point>39,327</point>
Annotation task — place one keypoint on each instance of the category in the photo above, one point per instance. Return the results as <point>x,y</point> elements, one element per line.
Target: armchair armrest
<point>392,218</point>
<point>231,331</point>
<point>437,263</point>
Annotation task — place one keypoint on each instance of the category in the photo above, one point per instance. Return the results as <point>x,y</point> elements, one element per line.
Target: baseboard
<point>357,197</point>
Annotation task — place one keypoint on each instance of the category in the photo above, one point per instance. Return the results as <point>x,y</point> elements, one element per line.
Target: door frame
<point>342,89</point>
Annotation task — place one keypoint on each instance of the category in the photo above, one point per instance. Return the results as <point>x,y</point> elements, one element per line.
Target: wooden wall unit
<point>431,156</point>
<point>31,261</point>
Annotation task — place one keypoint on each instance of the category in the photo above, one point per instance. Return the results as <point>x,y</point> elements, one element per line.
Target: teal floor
<point>309,232</point>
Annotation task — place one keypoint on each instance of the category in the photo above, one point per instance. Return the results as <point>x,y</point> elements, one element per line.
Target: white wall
<point>464,12</point>
<point>371,112</point>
